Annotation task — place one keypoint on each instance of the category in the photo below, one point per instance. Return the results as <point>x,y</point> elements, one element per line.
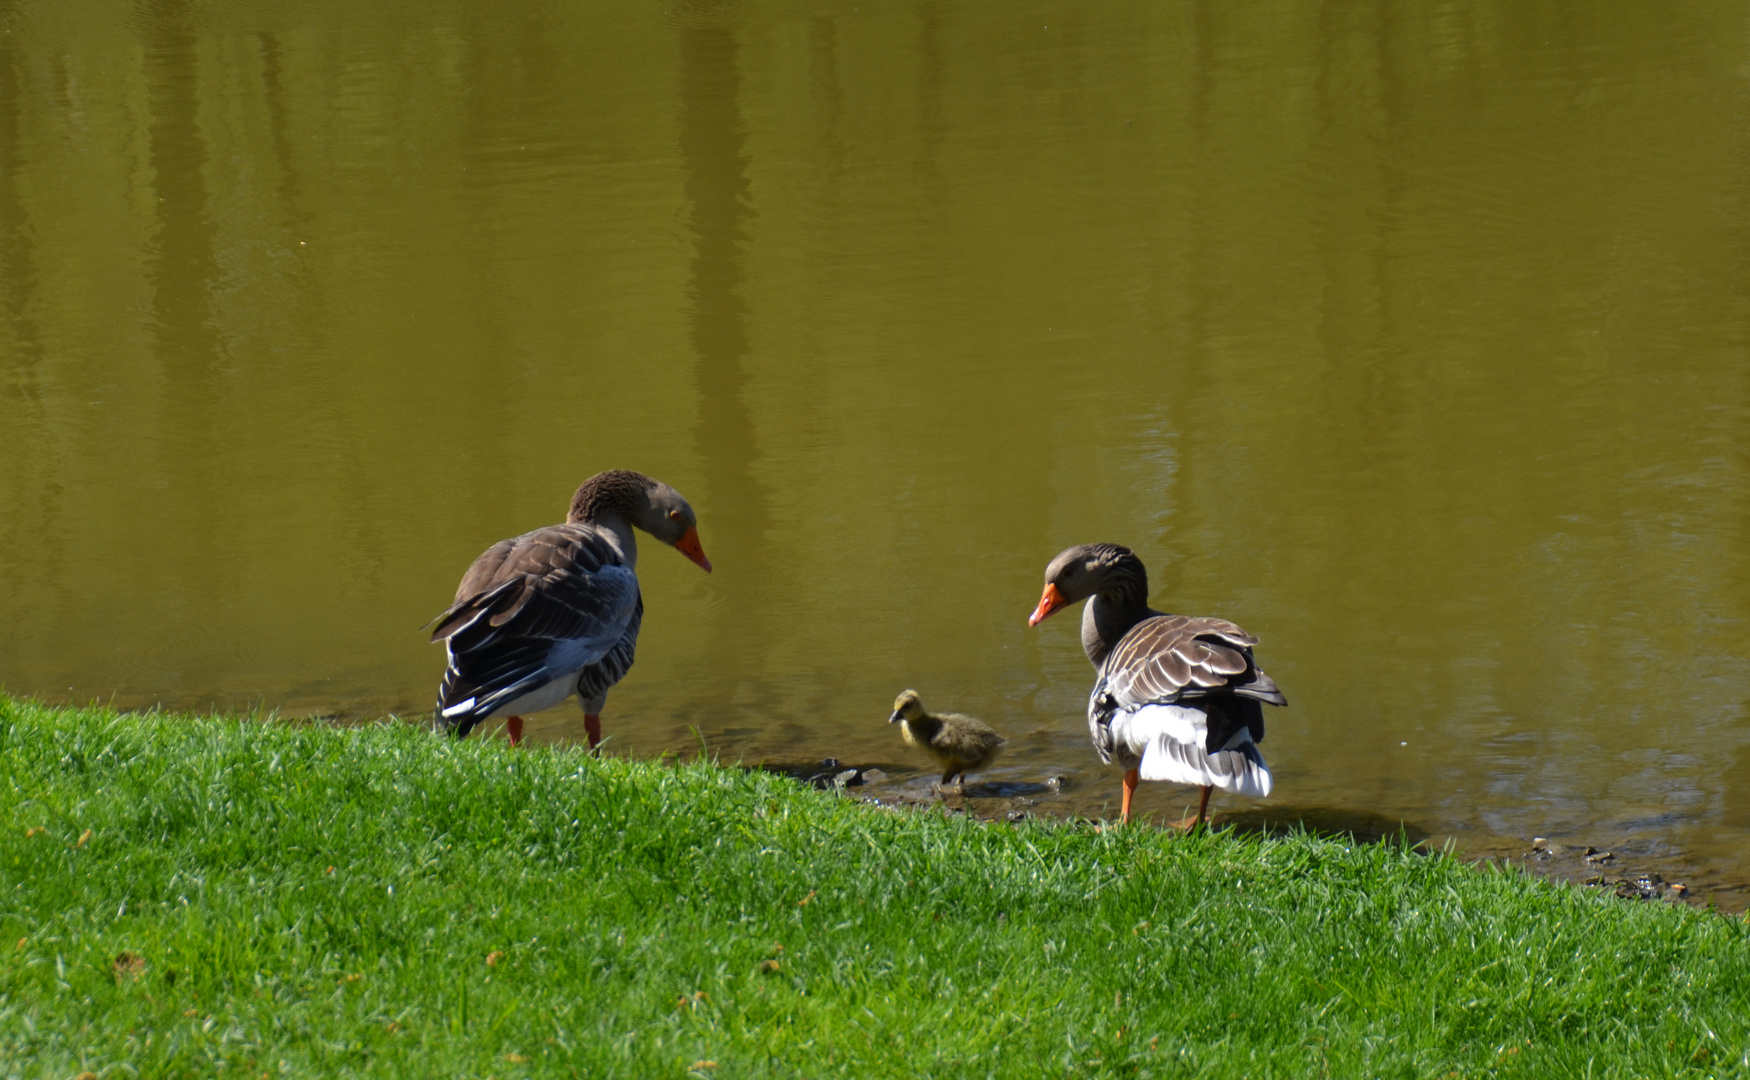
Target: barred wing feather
<point>531,610</point>
<point>1179,698</point>
<point>1169,657</point>
<point>598,678</point>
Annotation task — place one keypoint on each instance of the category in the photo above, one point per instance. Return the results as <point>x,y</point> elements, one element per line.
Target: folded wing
<point>1179,698</point>
<point>531,610</point>
<point>1173,657</point>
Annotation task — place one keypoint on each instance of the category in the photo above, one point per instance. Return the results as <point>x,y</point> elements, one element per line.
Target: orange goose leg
<point>592,726</point>
<point>1131,779</point>
<point>514,725</point>
<point>1202,806</point>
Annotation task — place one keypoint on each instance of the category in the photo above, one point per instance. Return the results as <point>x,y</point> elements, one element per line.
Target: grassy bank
<point>199,897</point>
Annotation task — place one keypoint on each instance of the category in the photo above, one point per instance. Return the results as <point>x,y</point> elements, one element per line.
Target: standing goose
<point>555,612</point>
<point>1177,697</point>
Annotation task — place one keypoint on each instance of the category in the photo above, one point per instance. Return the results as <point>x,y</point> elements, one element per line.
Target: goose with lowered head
<point>1175,697</point>
<point>555,612</point>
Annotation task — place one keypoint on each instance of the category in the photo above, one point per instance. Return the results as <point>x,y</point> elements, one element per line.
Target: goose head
<point>668,518</point>
<point>646,503</point>
<point>1086,570</point>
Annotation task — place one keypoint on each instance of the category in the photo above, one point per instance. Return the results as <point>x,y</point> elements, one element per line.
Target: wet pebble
<point>827,775</point>
<point>1645,887</point>
<point>1588,865</point>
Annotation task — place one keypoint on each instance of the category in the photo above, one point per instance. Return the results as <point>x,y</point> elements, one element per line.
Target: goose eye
<point>674,515</point>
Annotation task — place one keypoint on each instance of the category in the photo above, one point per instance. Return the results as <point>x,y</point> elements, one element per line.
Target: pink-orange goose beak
<point>1050,602</point>
<point>689,546</point>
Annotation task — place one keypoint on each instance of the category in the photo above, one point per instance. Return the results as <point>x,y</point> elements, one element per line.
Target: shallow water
<point>1415,339</point>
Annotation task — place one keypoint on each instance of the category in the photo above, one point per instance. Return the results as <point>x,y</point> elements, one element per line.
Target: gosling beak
<point>1050,602</point>
<point>689,546</point>
<point>896,718</point>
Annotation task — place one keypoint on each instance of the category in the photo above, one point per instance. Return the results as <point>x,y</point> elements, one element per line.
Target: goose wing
<point>1170,658</point>
<point>530,610</point>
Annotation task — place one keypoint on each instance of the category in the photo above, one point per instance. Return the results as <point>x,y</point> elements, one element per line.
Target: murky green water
<point>1415,338</point>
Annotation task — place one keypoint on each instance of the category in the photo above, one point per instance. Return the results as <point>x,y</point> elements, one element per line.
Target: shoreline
<point>1592,860</point>
<point>1579,865</point>
<point>309,900</point>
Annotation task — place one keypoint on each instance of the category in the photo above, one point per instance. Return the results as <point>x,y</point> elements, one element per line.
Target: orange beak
<point>689,546</point>
<point>1050,602</point>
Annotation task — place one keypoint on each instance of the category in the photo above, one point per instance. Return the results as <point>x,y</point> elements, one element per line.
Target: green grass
<point>312,901</point>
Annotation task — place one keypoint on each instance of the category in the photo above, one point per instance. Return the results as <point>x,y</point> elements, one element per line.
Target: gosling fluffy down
<point>958,743</point>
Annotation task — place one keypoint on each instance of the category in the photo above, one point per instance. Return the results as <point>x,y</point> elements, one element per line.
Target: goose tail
<point>1171,742</point>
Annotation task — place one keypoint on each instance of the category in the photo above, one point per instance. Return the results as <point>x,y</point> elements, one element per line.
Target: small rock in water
<point>1543,851</point>
<point>848,778</point>
<point>1677,891</point>
<point>1648,887</point>
<point>1598,858</point>
<point>1640,889</point>
<point>1055,783</point>
<point>873,776</point>
<point>831,775</point>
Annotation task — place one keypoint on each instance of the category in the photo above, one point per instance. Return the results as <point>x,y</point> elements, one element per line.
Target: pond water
<point>1413,338</point>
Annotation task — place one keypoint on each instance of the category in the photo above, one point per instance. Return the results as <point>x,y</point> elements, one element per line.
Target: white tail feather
<point>1169,740</point>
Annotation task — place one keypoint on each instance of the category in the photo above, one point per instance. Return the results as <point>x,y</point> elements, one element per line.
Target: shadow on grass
<point>883,779</point>
<point>1324,822</point>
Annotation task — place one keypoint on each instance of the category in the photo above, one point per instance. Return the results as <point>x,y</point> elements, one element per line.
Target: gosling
<point>958,743</point>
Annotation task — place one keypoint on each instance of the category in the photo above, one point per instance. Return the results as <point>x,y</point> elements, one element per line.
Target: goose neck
<point>619,534</point>
<point>1107,617</point>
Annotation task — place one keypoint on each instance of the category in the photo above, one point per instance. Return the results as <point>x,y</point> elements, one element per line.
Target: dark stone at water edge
<point>1582,865</point>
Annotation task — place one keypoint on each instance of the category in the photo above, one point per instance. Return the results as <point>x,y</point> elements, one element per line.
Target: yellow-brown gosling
<point>958,743</point>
